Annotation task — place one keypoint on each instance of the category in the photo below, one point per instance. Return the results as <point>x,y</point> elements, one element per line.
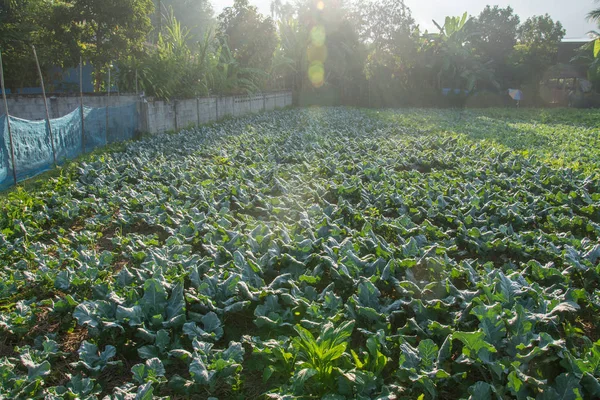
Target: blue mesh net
<point>33,148</point>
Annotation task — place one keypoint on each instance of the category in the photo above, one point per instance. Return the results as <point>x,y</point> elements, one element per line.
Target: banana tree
<point>589,55</point>
<point>453,60</point>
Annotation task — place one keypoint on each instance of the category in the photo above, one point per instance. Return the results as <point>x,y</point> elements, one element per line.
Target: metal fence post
<point>45,104</point>
<point>107,103</point>
<point>81,105</point>
<point>10,138</point>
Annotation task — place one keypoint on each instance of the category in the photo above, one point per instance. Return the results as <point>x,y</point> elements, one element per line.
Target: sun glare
<point>317,35</point>
<point>316,74</point>
<point>317,54</point>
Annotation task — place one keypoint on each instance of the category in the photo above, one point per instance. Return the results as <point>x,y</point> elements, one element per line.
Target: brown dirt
<point>590,330</point>
<point>72,340</point>
<point>45,323</point>
<point>7,349</point>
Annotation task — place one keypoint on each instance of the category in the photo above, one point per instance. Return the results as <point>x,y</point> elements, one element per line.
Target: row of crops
<point>321,253</point>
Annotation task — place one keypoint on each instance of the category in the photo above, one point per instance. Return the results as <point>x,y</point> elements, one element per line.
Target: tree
<point>173,67</point>
<point>456,64</point>
<point>496,30</point>
<point>290,54</point>
<point>387,24</point>
<point>110,29</point>
<point>249,35</point>
<point>330,55</point>
<point>537,48</point>
<point>280,10</point>
<point>541,32</point>
<point>594,15</point>
<point>390,32</point>
<point>195,15</point>
<point>41,23</point>
<point>495,37</point>
<point>589,53</point>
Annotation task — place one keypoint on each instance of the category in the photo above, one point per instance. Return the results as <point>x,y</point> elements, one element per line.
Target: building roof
<point>584,39</point>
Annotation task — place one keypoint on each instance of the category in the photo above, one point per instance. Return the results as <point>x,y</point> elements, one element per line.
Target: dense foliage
<point>329,52</point>
<point>100,31</point>
<point>195,15</point>
<point>319,252</point>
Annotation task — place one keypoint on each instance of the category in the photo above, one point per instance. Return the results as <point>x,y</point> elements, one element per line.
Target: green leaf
<point>35,371</point>
<point>155,298</point>
<point>199,372</point>
<point>212,324</point>
<point>147,352</point>
<point>302,376</point>
<point>591,384</point>
<point>133,315</point>
<point>155,366</point>
<point>139,373</point>
<point>83,387</point>
<point>480,391</point>
<point>334,353</point>
<point>409,357</point>
<point>181,354</point>
<point>163,340</point>
<point>428,352</point>
<point>88,352</point>
<point>176,304</point>
<point>473,343</point>
<point>411,249</point>
<point>63,280</point>
<point>85,314</point>
<point>235,352</point>
<point>596,47</point>
<point>445,351</point>
<point>93,360</point>
<point>568,388</point>
<point>565,307</point>
<point>491,322</point>
<point>145,392</point>
<point>514,383</point>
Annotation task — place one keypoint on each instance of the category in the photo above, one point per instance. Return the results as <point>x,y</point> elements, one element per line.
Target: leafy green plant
<point>333,253</point>
<point>94,360</point>
<point>317,359</point>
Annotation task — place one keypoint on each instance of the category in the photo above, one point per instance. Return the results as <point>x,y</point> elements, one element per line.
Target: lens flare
<point>316,53</point>
<point>320,6</point>
<point>316,74</point>
<point>317,35</point>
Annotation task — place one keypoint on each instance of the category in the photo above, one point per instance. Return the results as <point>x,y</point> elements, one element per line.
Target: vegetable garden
<point>319,253</point>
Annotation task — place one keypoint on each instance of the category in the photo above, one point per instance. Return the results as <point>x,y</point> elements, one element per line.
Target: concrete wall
<point>156,116</point>
<point>32,106</point>
<point>160,116</point>
<point>168,116</point>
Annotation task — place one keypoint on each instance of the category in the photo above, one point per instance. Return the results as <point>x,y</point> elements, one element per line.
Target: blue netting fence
<point>33,149</point>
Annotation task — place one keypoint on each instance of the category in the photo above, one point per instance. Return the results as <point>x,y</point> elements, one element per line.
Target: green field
<point>327,253</point>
